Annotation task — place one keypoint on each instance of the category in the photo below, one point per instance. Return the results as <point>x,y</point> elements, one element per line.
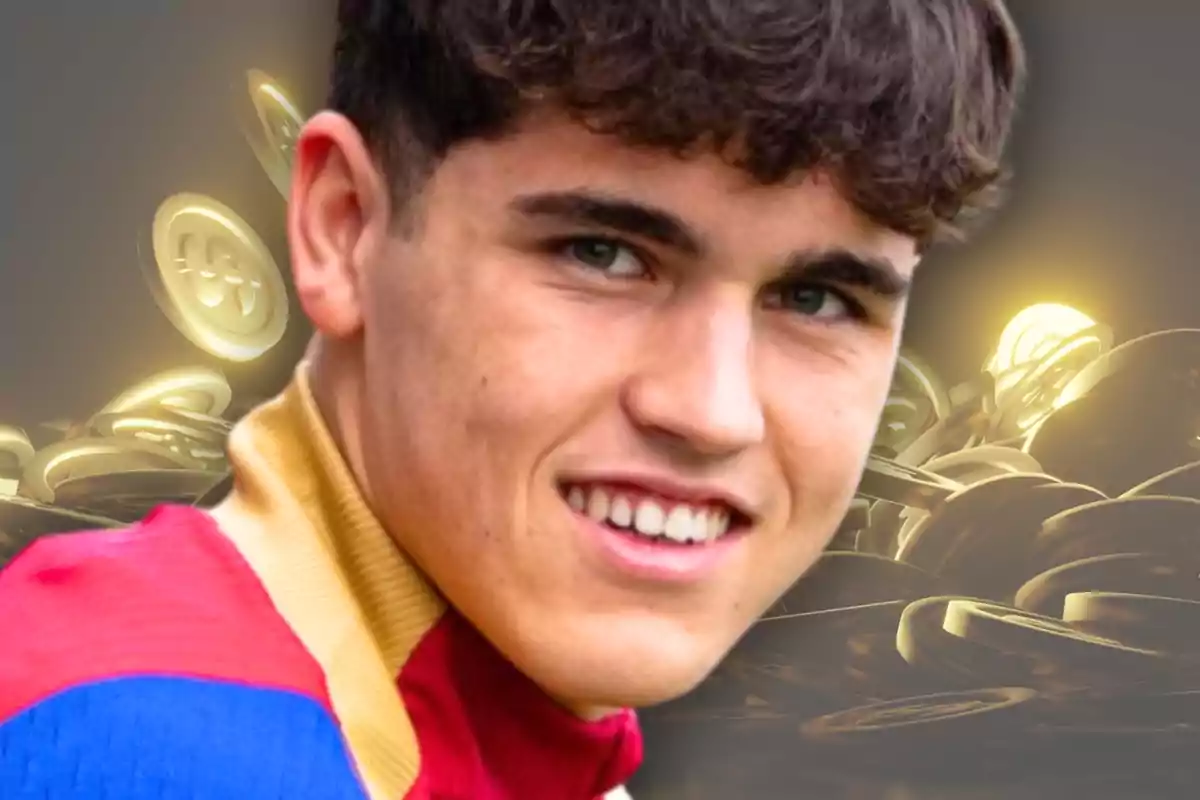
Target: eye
<point>811,300</point>
<point>611,257</point>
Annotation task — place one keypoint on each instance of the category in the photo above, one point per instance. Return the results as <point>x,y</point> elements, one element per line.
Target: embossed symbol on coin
<point>216,279</point>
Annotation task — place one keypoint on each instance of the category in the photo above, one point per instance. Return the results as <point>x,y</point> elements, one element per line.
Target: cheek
<point>472,363</point>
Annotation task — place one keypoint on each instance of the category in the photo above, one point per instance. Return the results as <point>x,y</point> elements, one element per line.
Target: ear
<point>337,222</point>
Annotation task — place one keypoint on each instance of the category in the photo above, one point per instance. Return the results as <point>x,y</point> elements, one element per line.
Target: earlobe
<point>337,198</point>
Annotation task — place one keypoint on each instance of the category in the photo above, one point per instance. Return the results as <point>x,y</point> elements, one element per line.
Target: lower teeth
<point>654,537</point>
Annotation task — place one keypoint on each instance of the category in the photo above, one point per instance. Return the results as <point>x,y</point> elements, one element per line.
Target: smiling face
<point>612,402</point>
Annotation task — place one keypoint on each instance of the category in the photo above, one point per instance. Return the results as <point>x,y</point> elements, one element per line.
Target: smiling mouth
<point>638,512</point>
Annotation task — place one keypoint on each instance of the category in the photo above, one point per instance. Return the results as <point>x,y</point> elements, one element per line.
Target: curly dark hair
<point>907,103</point>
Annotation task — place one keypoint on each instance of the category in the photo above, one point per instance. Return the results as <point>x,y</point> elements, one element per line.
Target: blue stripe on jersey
<point>163,738</point>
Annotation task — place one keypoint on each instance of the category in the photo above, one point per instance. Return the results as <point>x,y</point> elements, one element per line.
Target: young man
<point>607,296</point>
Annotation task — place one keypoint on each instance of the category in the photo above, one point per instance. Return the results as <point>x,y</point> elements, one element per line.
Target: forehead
<point>721,203</point>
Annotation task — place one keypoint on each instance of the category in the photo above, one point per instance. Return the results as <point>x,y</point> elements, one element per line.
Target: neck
<point>335,372</point>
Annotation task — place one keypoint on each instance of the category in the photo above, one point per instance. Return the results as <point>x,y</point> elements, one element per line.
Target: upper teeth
<point>679,522</point>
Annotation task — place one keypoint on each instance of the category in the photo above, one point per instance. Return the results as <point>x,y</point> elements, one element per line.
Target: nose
<point>696,387</point>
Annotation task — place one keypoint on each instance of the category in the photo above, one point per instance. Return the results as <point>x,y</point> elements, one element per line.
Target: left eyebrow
<point>877,276</point>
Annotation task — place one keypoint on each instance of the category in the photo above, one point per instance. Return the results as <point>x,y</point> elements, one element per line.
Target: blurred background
<point>128,129</point>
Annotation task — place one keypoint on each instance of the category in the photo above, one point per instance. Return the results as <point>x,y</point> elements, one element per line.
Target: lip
<point>691,493</point>
<point>655,561</point>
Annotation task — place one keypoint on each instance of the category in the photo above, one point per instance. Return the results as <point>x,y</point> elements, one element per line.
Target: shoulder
<point>169,737</point>
<point>152,645</point>
<point>170,595</point>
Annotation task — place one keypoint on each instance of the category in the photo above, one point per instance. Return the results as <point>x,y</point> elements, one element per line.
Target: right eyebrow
<point>614,213</point>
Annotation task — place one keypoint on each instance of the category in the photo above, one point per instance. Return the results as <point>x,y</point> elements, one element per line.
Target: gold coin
<point>1182,481</point>
<point>128,496</point>
<point>1011,630</point>
<point>911,711</point>
<point>194,389</point>
<point>279,123</point>
<point>975,464</point>
<point>1152,622</point>
<point>979,542</point>
<point>1129,525</point>
<point>886,479</point>
<point>216,279</point>
<point>954,738</point>
<point>1138,573</point>
<point>996,643</point>
<point>841,579</point>
<point>902,421</point>
<point>885,522</point>
<point>934,539</point>
<point>922,641</point>
<point>1035,391</point>
<point>1163,358</point>
<point>915,378</point>
<point>793,660</point>
<point>197,441</point>
<point>74,458</point>
<point>916,401</point>
<point>15,448</point>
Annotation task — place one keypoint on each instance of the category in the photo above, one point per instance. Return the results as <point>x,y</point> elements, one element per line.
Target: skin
<point>471,359</point>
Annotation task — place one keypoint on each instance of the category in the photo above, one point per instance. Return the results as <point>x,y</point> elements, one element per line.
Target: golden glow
<point>1039,351</point>
<point>1033,333</point>
<point>216,280</point>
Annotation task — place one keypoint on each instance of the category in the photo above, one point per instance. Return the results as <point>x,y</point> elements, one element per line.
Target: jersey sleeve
<point>149,664</point>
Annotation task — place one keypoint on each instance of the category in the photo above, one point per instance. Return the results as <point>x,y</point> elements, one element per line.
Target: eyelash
<point>855,311</point>
<point>561,246</point>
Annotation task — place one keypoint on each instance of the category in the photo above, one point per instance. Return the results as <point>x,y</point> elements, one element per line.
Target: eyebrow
<point>625,216</point>
<point>845,268</point>
<point>837,266</point>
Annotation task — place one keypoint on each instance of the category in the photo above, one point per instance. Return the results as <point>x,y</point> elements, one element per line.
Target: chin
<point>622,669</point>
<point>626,689</point>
